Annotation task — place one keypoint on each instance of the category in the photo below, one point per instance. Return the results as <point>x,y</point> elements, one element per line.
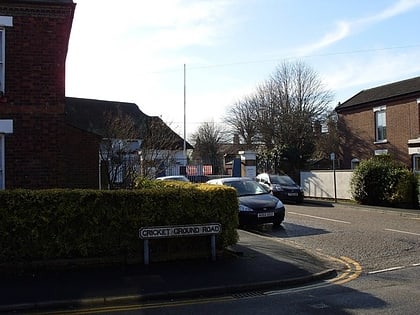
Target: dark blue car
<point>256,204</point>
<point>281,186</point>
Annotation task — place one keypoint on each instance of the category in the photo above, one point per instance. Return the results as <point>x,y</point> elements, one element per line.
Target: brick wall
<point>36,48</point>
<point>34,152</point>
<point>358,131</point>
<point>81,158</point>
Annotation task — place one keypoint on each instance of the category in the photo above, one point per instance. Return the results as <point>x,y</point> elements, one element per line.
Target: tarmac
<point>255,263</point>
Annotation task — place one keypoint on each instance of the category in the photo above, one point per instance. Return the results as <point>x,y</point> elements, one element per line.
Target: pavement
<point>256,262</point>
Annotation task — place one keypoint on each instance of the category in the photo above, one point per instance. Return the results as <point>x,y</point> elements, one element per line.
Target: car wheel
<point>277,223</point>
<point>278,220</point>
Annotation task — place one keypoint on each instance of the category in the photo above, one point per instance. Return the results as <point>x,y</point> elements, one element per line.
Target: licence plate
<point>265,214</point>
<point>292,194</point>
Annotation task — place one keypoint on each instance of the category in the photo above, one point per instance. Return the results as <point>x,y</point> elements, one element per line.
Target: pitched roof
<point>90,115</point>
<point>405,88</point>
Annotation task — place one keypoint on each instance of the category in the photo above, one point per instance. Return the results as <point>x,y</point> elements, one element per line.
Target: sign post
<point>332,156</point>
<point>158,232</point>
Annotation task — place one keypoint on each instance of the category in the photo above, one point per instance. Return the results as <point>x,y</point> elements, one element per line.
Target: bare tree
<point>285,108</point>
<point>327,137</point>
<point>298,100</point>
<point>135,145</point>
<point>118,150</point>
<point>242,118</point>
<point>158,145</point>
<point>207,145</point>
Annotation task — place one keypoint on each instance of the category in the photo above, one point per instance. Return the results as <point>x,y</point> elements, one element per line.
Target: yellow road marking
<point>139,306</point>
<point>353,271</point>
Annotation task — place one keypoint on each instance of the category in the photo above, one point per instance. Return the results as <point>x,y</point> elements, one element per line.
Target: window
<point>381,152</point>
<point>354,163</point>
<point>1,60</point>
<point>380,123</point>
<point>416,163</point>
<point>5,21</point>
<point>1,161</point>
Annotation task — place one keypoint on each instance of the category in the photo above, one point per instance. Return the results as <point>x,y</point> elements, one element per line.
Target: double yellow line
<point>353,270</point>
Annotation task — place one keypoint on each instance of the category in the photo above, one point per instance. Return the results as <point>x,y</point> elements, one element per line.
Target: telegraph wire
<point>338,53</point>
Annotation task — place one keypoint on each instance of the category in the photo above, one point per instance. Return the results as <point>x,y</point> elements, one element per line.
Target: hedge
<point>73,224</point>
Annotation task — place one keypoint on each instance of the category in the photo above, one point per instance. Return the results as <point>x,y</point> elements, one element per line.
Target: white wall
<point>320,184</point>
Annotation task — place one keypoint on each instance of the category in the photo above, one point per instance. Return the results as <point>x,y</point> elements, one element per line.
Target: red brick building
<point>34,41</point>
<point>48,140</point>
<point>382,120</point>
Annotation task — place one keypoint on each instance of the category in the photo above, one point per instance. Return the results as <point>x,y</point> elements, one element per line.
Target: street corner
<point>347,269</point>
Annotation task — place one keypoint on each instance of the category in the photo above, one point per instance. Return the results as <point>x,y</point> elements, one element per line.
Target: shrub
<point>382,181</point>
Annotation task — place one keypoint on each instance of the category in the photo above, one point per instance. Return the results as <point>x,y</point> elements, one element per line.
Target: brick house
<point>43,140</point>
<point>382,120</point>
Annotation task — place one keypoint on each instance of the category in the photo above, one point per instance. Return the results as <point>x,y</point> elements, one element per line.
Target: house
<point>143,141</point>
<point>46,139</point>
<point>381,120</point>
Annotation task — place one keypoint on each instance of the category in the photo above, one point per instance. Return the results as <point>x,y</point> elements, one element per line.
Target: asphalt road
<point>377,238</point>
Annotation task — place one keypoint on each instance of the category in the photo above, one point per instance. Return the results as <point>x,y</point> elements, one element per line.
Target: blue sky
<point>135,50</point>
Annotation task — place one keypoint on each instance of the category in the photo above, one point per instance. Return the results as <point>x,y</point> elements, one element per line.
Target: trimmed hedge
<point>74,224</point>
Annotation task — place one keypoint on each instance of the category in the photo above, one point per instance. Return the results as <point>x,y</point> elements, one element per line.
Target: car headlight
<point>245,208</point>
<point>279,204</point>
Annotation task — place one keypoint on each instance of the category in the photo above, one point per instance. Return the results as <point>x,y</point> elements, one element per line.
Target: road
<point>385,244</point>
<point>378,239</point>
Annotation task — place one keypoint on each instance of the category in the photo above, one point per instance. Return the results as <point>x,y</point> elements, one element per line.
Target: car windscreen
<point>247,188</point>
<point>282,180</point>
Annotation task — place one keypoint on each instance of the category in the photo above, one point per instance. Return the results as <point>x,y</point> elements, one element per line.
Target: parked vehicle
<point>281,186</point>
<point>174,177</point>
<point>256,204</point>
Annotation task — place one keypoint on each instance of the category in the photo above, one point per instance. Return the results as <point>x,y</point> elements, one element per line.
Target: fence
<point>320,184</point>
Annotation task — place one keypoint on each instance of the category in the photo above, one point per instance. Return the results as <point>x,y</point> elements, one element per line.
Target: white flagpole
<point>185,120</point>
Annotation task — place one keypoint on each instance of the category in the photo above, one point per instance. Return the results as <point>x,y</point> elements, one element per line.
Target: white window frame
<point>2,59</point>
<point>377,111</point>
<point>5,21</point>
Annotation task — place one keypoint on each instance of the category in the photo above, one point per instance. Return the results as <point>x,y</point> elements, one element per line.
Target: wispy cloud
<point>344,29</point>
<point>398,8</point>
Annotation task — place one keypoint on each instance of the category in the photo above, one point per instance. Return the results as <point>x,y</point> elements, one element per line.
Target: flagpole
<point>185,119</point>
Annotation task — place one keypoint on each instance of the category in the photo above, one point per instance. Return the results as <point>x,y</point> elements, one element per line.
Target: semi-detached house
<point>46,140</point>
<point>382,120</point>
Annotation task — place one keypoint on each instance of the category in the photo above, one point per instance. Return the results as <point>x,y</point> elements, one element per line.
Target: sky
<point>189,61</point>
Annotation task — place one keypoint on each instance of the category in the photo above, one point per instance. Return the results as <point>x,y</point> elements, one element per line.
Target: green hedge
<point>384,182</point>
<point>73,224</point>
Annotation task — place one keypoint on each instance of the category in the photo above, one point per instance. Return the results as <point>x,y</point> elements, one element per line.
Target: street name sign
<point>155,232</point>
